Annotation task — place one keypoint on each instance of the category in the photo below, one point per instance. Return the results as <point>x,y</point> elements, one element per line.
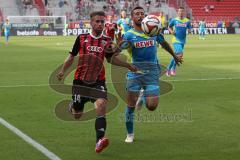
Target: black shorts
<point>83,92</point>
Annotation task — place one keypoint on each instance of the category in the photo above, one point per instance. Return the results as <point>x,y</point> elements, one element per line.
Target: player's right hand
<point>60,75</point>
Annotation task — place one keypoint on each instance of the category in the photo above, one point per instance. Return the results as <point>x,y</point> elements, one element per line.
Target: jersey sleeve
<point>128,20</point>
<point>171,23</point>
<point>119,22</point>
<point>76,47</point>
<point>127,36</point>
<point>160,38</point>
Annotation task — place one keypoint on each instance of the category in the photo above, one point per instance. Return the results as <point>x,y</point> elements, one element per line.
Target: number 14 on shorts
<point>77,98</point>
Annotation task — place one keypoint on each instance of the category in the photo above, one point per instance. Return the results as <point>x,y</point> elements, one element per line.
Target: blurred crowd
<point>80,9</point>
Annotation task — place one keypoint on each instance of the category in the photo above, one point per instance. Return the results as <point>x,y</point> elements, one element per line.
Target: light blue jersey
<point>201,29</point>
<point>143,47</point>
<point>143,53</point>
<point>180,27</point>
<point>202,25</point>
<point>7,28</point>
<point>125,24</point>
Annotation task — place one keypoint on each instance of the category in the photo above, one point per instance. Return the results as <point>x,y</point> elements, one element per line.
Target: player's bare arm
<point>67,63</point>
<point>169,49</point>
<point>171,30</point>
<point>115,60</point>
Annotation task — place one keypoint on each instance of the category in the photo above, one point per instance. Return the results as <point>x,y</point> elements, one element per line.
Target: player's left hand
<point>112,48</point>
<point>60,75</point>
<point>132,68</point>
<point>178,60</point>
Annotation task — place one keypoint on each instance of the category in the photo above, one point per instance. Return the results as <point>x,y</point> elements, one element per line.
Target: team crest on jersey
<point>104,42</point>
<point>142,44</point>
<point>94,49</point>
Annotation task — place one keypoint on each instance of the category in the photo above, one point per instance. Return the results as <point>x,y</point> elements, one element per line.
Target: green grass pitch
<point>206,90</point>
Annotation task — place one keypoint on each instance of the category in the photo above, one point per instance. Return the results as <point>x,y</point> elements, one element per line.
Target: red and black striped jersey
<point>91,57</point>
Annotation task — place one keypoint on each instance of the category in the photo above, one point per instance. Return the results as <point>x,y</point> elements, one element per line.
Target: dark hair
<point>181,7</point>
<point>135,8</point>
<point>97,13</point>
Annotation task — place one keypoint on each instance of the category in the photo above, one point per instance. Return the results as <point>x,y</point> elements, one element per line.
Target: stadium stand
<point>61,8</point>
<point>9,8</point>
<point>75,10</point>
<point>214,10</point>
<point>1,16</point>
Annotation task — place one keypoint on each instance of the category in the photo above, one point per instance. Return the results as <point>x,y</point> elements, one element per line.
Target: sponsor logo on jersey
<point>142,44</point>
<point>181,25</point>
<point>94,49</point>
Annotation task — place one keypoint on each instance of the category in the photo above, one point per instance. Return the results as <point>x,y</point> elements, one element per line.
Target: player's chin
<point>99,30</point>
<point>140,20</point>
<point>138,24</point>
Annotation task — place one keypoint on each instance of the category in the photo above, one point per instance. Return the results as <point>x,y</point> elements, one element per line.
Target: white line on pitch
<point>29,140</point>
<point>170,80</point>
<point>200,79</point>
<point>24,85</point>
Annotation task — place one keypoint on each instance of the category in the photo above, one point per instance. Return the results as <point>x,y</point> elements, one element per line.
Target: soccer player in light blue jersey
<point>7,29</point>
<point>143,51</point>
<point>124,24</point>
<point>201,29</point>
<point>178,27</point>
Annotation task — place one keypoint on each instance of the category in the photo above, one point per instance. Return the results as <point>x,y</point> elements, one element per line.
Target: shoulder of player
<point>186,19</point>
<point>119,21</point>
<point>129,32</point>
<point>83,34</point>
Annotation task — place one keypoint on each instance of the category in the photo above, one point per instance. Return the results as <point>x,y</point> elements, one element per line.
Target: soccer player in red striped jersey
<point>89,78</point>
<point>110,28</point>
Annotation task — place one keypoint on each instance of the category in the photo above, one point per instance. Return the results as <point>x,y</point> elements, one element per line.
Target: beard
<point>139,22</point>
<point>98,31</point>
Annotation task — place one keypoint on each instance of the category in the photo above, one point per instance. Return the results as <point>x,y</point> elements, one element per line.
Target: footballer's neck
<point>96,34</point>
<point>137,27</point>
<point>181,17</point>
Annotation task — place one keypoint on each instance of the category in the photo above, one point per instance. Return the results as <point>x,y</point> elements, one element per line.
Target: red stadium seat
<point>224,10</point>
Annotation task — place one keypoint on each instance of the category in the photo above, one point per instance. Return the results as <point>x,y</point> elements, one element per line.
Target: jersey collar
<point>95,36</point>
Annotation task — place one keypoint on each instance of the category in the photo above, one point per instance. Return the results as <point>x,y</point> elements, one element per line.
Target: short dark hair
<point>135,8</point>
<point>97,13</point>
<point>181,7</point>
